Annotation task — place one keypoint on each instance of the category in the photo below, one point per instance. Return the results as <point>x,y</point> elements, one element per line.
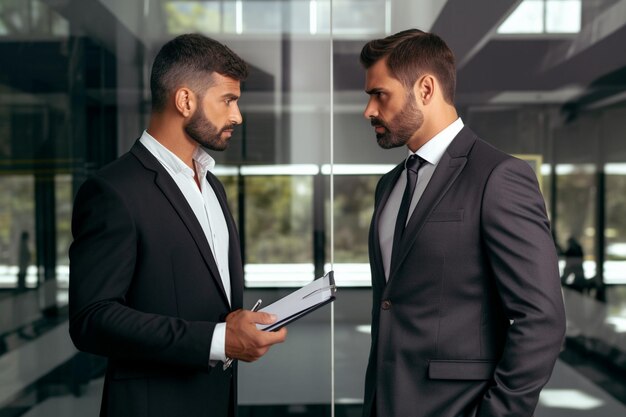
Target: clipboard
<point>301,302</point>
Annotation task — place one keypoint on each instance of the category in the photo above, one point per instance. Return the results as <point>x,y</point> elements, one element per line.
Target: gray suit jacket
<point>145,291</point>
<point>471,320</point>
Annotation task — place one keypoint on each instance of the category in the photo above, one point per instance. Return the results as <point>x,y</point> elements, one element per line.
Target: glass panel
<point>64,198</point>
<point>87,99</point>
<point>527,18</point>
<point>15,16</point>
<point>279,230</point>
<point>283,143</point>
<point>352,212</point>
<point>615,232</point>
<point>262,16</point>
<point>563,16</point>
<point>575,223</point>
<point>17,232</point>
<point>353,18</point>
<point>30,17</point>
<point>185,16</point>
<point>545,184</point>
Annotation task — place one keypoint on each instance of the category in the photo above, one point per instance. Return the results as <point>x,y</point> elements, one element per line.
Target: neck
<point>171,134</point>
<point>438,120</point>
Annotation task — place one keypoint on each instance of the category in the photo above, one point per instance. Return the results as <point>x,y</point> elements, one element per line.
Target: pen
<point>229,361</point>
<point>256,305</point>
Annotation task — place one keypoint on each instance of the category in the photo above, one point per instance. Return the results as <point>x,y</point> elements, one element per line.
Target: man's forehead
<point>224,82</point>
<point>219,79</point>
<point>379,68</point>
<point>378,76</point>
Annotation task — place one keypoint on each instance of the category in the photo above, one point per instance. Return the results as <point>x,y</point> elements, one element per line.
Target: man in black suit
<point>467,316</point>
<point>156,276</point>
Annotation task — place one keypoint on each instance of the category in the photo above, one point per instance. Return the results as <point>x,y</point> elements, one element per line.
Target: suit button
<point>386,305</point>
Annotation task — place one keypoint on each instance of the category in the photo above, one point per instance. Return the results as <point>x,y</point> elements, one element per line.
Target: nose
<point>235,116</point>
<point>370,110</point>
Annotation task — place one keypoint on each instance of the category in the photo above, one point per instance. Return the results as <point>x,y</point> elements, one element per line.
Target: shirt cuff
<point>218,345</point>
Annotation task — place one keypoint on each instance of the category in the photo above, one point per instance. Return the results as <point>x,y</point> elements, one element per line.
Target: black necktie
<point>413,165</point>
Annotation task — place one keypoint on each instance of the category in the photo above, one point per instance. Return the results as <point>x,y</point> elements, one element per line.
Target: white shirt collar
<point>433,150</point>
<point>204,161</point>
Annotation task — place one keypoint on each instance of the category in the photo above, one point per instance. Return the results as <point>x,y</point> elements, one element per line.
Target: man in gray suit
<point>467,316</point>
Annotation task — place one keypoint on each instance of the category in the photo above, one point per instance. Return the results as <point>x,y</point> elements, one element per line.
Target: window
<point>615,231</point>
<point>543,16</point>
<point>576,210</point>
<point>17,224</point>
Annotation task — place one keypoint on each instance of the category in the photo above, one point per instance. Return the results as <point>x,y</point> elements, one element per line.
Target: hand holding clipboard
<point>301,302</point>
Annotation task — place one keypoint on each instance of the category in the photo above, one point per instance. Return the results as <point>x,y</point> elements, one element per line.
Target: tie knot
<point>414,163</point>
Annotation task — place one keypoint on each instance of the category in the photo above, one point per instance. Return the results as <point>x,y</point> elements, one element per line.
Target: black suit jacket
<point>477,255</point>
<point>146,293</point>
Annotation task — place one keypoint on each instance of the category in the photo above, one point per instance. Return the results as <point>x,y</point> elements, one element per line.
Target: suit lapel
<point>386,186</point>
<point>450,166</point>
<point>176,198</point>
<point>234,249</point>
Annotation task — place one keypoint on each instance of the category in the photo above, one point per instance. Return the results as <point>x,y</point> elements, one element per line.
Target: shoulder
<point>490,160</point>
<point>487,154</point>
<point>119,180</point>
<point>121,168</point>
<point>126,173</point>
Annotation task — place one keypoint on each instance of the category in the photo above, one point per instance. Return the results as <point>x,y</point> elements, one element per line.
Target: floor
<point>41,375</point>
<point>566,395</point>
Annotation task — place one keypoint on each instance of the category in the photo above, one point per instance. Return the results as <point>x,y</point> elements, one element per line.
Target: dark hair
<point>410,54</point>
<point>190,60</point>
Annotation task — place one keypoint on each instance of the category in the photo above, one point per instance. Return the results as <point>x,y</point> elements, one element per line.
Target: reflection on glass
<point>17,216</point>
<point>352,212</point>
<point>25,17</point>
<point>546,180</point>
<point>544,16</point>
<point>278,227</point>
<point>615,232</point>
<point>353,209</point>
<point>185,16</point>
<point>354,17</point>
<point>563,16</point>
<point>616,310</point>
<point>262,16</point>
<point>576,210</point>
<point>64,197</point>
<point>527,18</point>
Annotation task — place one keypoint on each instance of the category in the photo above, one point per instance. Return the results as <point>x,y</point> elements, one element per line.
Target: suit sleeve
<point>522,255</point>
<point>102,263</point>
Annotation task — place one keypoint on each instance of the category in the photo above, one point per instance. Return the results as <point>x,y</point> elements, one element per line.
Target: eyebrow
<point>230,95</point>
<point>374,90</point>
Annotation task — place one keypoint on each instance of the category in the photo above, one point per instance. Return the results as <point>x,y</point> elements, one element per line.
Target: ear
<point>424,88</point>
<point>185,101</point>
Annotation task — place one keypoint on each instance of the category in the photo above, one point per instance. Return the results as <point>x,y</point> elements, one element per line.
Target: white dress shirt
<point>208,211</point>
<point>431,152</point>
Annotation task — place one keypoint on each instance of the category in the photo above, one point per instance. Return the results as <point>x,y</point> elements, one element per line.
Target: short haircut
<point>190,60</point>
<point>412,53</point>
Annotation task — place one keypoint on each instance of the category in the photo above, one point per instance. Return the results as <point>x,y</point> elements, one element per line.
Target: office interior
<point>544,80</point>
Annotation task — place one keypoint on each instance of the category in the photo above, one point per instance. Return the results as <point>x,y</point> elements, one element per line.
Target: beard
<point>402,127</point>
<point>200,129</point>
